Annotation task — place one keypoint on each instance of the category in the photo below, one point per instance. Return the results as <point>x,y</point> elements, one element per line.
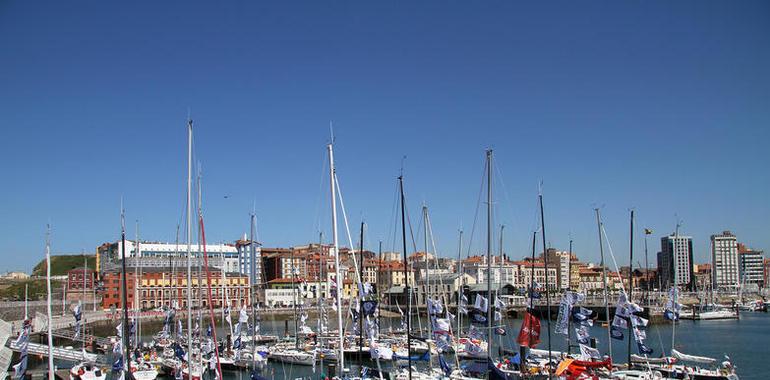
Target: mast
<point>407,291</point>
<point>569,288</point>
<point>462,283</point>
<point>82,304</point>
<point>426,293</point>
<point>294,293</point>
<point>26,302</point>
<point>189,237</point>
<point>379,292</point>
<point>48,286</point>
<point>137,293</point>
<point>630,284</point>
<point>604,281</point>
<point>674,263</point>
<point>338,280</point>
<point>489,252</point>
<point>319,287</point>
<point>252,270</point>
<point>647,231</point>
<point>547,282</point>
<point>361,296</point>
<point>500,286</point>
<point>126,339</point>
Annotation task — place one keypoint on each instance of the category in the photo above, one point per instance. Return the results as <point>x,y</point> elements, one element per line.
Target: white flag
<point>481,303</point>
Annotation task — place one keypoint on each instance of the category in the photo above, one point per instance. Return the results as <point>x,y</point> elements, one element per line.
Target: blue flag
<point>644,349</point>
<point>616,333</point>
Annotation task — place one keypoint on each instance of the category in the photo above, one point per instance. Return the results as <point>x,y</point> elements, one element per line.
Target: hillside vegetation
<point>60,265</point>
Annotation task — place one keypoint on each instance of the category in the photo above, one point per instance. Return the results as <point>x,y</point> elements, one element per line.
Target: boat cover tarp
<point>692,358</point>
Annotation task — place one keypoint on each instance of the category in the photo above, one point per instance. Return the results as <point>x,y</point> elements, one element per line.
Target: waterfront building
<point>751,263</point>
<point>443,287</point>
<point>80,284</point>
<point>246,249</point>
<point>591,280</point>
<point>164,286</point>
<point>724,257</point>
<point>766,270</point>
<point>675,258</point>
<point>154,254</point>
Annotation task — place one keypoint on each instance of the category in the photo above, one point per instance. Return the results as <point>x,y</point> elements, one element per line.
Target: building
<point>80,285</point>
<point>153,254</point>
<point>724,257</point>
<point>158,286</point>
<point>591,280</point>
<point>704,277</point>
<point>561,260</point>
<point>14,276</point>
<point>751,263</point>
<point>528,268</point>
<point>443,287</point>
<point>250,259</point>
<point>675,265</point>
<point>767,273</point>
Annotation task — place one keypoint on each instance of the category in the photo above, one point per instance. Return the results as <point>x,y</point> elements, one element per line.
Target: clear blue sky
<point>658,105</point>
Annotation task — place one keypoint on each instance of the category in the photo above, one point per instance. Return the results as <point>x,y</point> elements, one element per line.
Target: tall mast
<point>337,280</point>
<point>189,237</point>
<point>462,282</point>
<point>252,270</point>
<point>427,268</point>
<point>674,263</point>
<point>294,293</point>
<point>126,339</point>
<point>604,281</point>
<point>647,231</point>
<point>48,287</point>
<point>547,282</point>
<point>500,286</point>
<point>489,252</point>
<point>361,296</point>
<point>630,283</point>
<point>321,280</point>
<point>569,288</point>
<point>137,292</point>
<point>407,291</point>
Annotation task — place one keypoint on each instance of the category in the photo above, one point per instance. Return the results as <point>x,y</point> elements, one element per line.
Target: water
<point>743,340</point>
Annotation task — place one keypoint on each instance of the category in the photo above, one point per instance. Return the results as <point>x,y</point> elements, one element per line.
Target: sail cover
<point>692,358</point>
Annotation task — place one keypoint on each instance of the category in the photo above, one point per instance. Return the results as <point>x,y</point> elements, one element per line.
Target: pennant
<point>619,322</point>
<point>499,304</point>
<point>477,317</point>
<point>589,353</point>
<point>644,349</point>
<point>370,307</point>
<point>639,321</point>
<point>529,335</point>
<point>581,334</point>
<point>481,303</point>
<point>616,333</point>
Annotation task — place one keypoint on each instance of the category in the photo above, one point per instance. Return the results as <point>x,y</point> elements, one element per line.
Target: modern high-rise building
<point>724,257</point>
<point>675,261</point>
<point>751,264</point>
<point>248,250</point>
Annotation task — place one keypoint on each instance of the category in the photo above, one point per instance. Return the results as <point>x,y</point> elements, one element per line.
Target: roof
<point>443,277</point>
<point>483,287</point>
<point>395,290</point>
<point>285,281</point>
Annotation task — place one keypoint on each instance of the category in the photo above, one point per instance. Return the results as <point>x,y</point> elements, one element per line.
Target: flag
<point>616,333</point>
<point>243,317</point>
<point>208,331</point>
<point>444,365</point>
<point>367,288</point>
<point>481,303</point>
<point>370,307</point>
<point>639,334</point>
<point>529,335</point>
<point>565,309</point>
<point>22,343</point>
<point>644,349</point>
<point>589,353</point>
<point>441,325</point>
<point>477,317</point>
<point>582,335</point>
<point>638,321</point>
<point>435,307</point>
<point>620,323</point>
<point>670,315</point>
<point>499,303</point>
<point>237,342</point>
<point>78,314</point>
<point>179,328</point>
<point>227,315</point>
<point>581,314</point>
<point>500,331</point>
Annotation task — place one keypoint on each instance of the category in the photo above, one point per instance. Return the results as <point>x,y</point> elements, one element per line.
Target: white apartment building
<point>246,250</point>
<point>724,257</point>
<point>221,256</point>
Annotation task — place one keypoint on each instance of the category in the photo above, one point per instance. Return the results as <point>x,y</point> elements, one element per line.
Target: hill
<point>60,265</point>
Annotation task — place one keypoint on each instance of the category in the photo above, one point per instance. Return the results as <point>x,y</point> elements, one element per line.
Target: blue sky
<point>657,105</point>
